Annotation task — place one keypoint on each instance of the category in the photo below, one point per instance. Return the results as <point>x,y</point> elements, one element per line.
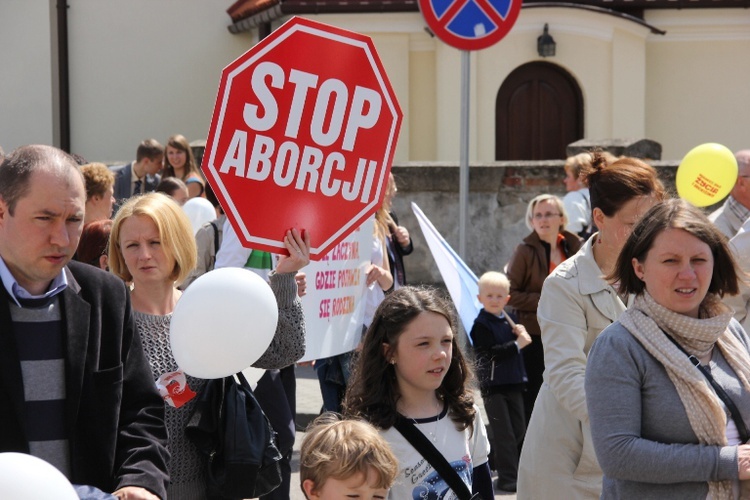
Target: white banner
<point>460,281</point>
<point>333,305</point>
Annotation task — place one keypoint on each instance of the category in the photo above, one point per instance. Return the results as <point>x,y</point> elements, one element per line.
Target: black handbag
<point>428,451</point>
<point>229,426</point>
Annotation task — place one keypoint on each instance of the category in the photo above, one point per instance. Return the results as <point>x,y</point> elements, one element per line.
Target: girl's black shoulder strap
<point>420,443</point>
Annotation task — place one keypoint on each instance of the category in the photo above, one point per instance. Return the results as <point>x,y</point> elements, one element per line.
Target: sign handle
<point>510,321</point>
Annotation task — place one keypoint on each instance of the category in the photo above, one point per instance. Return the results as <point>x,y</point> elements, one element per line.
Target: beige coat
<point>557,460</point>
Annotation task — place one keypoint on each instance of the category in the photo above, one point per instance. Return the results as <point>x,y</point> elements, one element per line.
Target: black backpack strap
<point>243,381</point>
<point>420,443</point>
<point>216,237</point>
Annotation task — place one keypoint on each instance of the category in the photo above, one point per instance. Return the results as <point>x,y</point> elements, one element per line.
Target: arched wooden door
<point>539,111</point>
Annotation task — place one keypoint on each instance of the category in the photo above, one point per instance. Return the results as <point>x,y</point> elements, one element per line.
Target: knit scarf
<point>645,319</point>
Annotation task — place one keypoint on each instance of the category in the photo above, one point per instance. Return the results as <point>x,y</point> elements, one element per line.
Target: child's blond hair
<point>340,449</point>
<point>494,278</point>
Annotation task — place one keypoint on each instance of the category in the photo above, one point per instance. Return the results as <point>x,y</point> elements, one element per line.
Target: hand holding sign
<point>706,175</point>
<point>299,252</point>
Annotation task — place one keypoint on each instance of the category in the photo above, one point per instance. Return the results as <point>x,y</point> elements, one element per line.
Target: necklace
<point>432,434</point>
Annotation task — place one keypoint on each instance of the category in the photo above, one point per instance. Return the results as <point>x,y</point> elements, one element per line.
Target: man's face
<point>571,183</point>
<point>153,165</point>
<point>42,235</point>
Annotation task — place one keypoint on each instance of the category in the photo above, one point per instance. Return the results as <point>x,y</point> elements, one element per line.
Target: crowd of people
<point>611,356</point>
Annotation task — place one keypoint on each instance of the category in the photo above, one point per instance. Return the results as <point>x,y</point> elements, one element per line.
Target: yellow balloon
<point>706,175</point>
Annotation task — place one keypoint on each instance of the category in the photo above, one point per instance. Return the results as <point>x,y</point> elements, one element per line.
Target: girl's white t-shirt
<point>417,479</point>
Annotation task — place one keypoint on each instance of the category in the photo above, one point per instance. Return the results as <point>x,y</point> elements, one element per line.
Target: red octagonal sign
<point>303,135</point>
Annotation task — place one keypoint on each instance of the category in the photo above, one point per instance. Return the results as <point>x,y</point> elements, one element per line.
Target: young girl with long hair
<point>411,368</point>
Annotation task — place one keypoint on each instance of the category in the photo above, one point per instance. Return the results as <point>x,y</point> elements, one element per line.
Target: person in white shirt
<point>577,202</point>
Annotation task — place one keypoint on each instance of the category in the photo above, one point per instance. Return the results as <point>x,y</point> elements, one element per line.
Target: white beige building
<point>668,70</point>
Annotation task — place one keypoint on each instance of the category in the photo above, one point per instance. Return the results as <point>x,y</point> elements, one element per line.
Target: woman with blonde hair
<point>378,275</point>
<point>152,246</point>
<point>398,242</point>
<point>534,259</point>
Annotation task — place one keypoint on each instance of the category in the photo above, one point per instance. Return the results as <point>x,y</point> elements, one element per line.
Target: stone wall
<point>498,195</point>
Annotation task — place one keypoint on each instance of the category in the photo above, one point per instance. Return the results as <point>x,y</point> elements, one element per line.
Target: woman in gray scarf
<point>659,426</point>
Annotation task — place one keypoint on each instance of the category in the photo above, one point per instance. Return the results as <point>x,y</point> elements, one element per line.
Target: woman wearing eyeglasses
<point>576,304</point>
<point>541,251</point>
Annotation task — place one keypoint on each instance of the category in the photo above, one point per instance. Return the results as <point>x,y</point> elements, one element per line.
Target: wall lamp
<point>545,44</point>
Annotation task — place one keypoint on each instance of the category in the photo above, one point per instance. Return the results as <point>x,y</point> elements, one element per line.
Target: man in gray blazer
<point>735,211</point>
<point>140,176</point>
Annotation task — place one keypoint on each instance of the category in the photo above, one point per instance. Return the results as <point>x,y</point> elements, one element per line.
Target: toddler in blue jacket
<point>498,341</point>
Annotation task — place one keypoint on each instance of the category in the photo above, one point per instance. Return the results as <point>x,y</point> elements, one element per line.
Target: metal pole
<point>63,73</point>
<point>463,188</point>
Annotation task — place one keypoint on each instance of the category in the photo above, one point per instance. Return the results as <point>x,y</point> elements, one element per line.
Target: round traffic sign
<point>470,24</point>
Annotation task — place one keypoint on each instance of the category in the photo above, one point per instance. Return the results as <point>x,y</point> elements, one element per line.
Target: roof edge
<point>248,14</point>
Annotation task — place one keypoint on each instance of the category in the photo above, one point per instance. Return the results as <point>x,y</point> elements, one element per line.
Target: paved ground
<point>309,403</point>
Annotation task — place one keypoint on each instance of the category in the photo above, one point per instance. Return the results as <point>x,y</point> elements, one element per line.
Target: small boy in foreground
<point>345,458</point>
<point>497,342</point>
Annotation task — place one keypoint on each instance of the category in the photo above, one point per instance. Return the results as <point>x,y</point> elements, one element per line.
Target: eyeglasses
<point>546,215</point>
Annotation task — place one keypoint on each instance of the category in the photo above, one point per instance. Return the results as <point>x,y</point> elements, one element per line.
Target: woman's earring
<point>393,361</point>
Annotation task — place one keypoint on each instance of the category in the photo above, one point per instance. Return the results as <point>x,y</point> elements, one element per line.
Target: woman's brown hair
<point>612,185</point>
<point>179,141</point>
<point>675,214</point>
<point>94,241</point>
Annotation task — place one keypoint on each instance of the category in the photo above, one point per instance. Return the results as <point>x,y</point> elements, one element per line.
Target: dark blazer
<point>114,415</point>
<point>396,255</point>
<point>123,178</point>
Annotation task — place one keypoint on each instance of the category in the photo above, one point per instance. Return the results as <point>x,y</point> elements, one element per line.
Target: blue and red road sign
<point>470,24</point>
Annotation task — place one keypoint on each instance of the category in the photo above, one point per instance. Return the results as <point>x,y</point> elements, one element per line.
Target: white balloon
<point>223,323</point>
<point>25,477</point>
<point>199,211</point>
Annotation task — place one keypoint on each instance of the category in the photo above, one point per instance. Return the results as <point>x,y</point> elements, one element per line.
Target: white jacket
<point>558,460</point>
<point>578,207</point>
